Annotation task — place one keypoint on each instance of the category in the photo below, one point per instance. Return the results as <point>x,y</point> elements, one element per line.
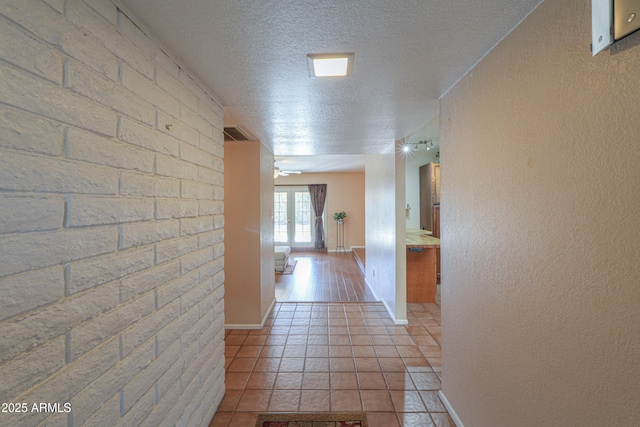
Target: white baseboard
<point>252,325</point>
<point>335,251</point>
<point>452,413</point>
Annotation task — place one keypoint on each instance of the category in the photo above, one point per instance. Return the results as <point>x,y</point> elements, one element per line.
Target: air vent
<point>235,134</point>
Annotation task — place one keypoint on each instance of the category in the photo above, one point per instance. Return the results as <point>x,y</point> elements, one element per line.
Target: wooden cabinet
<point>429,196</point>
<point>435,183</point>
<point>436,233</point>
<point>421,275</point>
<point>436,221</point>
<point>422,252</point>
<point>430,202</point>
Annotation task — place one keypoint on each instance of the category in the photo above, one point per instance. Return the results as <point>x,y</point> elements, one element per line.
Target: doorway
<point>317,276</point>
<point>293,217</point>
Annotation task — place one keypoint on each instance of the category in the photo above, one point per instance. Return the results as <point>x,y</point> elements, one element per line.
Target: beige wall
<point>249,256</point>
<point>540,203</point>
<point>111,215</point>
<point>345,192</point>
<point>267,255</point>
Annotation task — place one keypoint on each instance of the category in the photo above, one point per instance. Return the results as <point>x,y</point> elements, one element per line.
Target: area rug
<point>289,268</point>
<point>327,419</point>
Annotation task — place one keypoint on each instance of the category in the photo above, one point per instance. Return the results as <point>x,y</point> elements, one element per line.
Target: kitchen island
<point>421,266</point>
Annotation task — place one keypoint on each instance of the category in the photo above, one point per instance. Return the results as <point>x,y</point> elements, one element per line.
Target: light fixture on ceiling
<point>330,64</point>
<point>413,146</point>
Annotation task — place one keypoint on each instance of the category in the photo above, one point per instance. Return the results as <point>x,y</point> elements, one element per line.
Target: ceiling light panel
<point>330,65</point>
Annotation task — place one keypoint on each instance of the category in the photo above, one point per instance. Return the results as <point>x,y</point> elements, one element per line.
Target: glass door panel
<point>302,231</point>
<point>281,217</point>
<point>293,217</point>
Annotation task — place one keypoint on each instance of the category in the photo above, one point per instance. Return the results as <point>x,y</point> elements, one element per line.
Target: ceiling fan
<point>277,172</point>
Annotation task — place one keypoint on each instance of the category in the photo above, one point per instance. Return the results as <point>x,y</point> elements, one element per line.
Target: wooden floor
<point>323,277</point>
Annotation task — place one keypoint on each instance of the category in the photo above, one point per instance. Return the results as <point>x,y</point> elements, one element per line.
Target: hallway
<point>321,357</point>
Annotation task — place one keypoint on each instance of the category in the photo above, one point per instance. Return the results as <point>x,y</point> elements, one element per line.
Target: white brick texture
<point>111,216</point>
<point>29,132</point>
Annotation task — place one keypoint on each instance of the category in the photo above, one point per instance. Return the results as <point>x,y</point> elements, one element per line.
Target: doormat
<point>289,268</point>
<point>327,419</point>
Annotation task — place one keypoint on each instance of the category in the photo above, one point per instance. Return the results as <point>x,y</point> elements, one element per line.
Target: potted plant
<point>339,216</point>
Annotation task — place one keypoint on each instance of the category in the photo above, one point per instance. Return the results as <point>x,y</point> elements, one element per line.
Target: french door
<point>293,216</point>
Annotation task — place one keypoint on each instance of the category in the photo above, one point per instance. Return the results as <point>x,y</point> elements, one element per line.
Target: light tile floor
<point>321,357</point>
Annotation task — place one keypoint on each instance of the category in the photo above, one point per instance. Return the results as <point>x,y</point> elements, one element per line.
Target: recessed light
<point>330,65</point>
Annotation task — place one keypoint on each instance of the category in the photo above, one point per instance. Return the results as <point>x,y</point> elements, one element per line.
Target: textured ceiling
<point>252,54</point>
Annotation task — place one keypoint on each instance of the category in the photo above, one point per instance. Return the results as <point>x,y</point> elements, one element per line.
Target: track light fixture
<point>412,146</point>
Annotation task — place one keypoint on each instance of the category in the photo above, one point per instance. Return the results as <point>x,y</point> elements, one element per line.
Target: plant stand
<point>340,236</point>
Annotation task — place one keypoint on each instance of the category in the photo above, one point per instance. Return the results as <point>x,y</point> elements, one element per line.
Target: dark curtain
<point>318,194</point>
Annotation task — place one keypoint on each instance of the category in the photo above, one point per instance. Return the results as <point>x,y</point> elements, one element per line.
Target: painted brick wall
<point>111,222</point>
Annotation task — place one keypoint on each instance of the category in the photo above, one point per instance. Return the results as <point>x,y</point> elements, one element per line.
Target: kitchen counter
<point>421,266</point>
<point>421,239</point>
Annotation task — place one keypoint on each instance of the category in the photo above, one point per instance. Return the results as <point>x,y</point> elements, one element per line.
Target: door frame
<point>303,245</point>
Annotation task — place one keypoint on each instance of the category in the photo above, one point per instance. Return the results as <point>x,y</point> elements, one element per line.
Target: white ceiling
<point>252,54</point>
